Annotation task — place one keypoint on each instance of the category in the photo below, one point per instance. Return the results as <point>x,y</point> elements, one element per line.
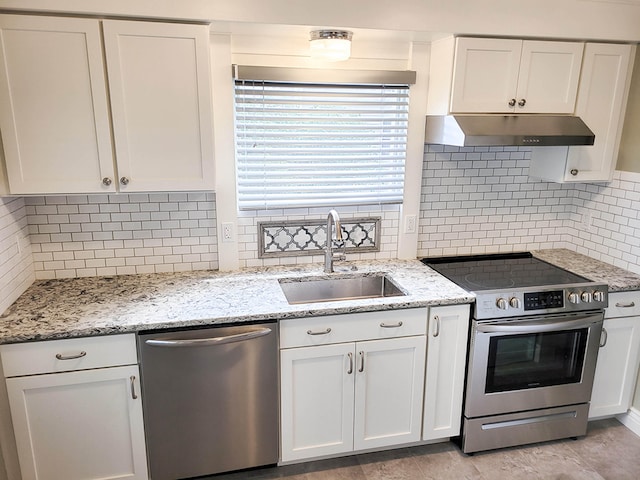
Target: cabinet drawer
<point>68,354</point>
<point>300,332</point>
<point>623,304</point>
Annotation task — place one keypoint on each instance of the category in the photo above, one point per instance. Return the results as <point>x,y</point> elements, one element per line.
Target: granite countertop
<point>619,280</point>
<point>64,308</point>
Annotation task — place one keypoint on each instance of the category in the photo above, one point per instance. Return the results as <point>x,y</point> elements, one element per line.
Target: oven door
<point>529,363</point>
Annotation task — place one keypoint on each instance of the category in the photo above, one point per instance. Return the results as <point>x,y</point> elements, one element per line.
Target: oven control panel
<point>492,304</point>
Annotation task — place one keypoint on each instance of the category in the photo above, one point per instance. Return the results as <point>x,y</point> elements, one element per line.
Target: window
<point>305,145</point>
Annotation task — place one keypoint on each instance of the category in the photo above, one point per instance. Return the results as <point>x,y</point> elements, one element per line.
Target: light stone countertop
<point>65,308</point>
<point>619,280</point>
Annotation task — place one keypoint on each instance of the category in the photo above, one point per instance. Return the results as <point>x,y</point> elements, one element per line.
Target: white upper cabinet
<point>56,120</point>
<point>54,115</point>
<point>159,81</point>
<point>485,75</point>
<point>601,103</point>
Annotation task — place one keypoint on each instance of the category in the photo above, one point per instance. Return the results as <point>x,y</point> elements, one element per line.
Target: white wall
<point>581,19</point>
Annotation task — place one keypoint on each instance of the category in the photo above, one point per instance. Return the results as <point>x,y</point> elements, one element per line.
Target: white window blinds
<point>303,145</point>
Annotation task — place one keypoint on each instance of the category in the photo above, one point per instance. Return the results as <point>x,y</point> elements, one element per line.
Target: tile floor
<point>609,451</point>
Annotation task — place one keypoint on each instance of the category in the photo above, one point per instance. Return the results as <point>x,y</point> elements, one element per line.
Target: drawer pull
<point>323,332</point>
<point>394,325</point>
<point>436,326</point>
<point>625,305</point>
<point>60,356</point>
<point>604,336</point>
<point>132,380</point>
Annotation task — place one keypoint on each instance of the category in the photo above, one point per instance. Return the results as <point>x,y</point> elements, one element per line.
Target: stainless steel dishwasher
<point>210,399</point>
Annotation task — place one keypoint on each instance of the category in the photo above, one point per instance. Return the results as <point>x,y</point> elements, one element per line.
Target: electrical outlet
<point>587,220</point>
<point>410,224</point>
<point>227,232</point>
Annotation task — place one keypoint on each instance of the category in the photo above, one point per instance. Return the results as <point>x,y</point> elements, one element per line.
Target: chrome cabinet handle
<point>323,332</point>
<point>132,380</point>
<point>604,334</point>
<point>522,102</point>
<point>60,356</point>
<point>574,171</point>
<point>203,342</point>
<point>436,326</point>
<point>350,371</point>
<point>361,369</point>
<point>512,102</point>
<point>124,180</point>
<point>626,305</point>
<point>393,325</point>
<point>106,181</point>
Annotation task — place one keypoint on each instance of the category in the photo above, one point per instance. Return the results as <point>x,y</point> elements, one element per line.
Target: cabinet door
<point>53,105</point>
<point>444,384</point>
<point>389,389</point>
<point>317,387</point>
<point>617,367</point>
<point>485,75</point>
<point>548,77</point>
<point>159,81</point>
<point>79,425</point>
<point>604,87</point>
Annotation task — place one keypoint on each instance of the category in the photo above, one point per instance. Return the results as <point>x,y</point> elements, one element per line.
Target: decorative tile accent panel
<point>291,237</point>
<point>16,264</point>
<point>92,235</point>
<point>249,236</point>
<point>479,200</point>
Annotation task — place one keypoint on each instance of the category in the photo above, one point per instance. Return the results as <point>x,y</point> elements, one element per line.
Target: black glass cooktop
<point>501,271</point>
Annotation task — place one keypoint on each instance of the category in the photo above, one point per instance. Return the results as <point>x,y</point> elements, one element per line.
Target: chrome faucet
<point>329,255</point>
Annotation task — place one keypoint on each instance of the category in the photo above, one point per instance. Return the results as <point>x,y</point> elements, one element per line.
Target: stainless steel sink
<point>312,290</point>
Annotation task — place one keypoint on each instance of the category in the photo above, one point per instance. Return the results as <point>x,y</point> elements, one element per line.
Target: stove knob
<point>586,297</point>
<point>502,304</point>
<point>574,297</point>
<point>598,296</point>
<point>514,302</point>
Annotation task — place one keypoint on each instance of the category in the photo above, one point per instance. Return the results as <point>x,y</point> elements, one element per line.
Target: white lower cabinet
<point>84,421</point>
<point>445,372</point>
<point>618,358</point>
<point>356,395</point>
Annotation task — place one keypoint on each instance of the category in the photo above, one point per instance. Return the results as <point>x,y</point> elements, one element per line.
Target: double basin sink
<point>353,287</point>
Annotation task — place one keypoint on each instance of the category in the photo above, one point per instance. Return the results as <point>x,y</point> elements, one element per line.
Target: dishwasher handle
<point>205,342</point>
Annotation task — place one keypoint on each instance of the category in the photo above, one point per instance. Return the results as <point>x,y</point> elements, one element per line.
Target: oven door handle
<point>538,326</point>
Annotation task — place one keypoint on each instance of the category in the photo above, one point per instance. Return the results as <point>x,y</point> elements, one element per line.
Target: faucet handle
<point>340,253</point>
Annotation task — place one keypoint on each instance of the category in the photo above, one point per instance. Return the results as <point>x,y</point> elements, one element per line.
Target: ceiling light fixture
<point>331,45</point>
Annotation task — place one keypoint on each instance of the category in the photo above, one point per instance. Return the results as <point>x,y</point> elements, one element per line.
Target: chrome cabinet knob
<point>522,102</point>
<point>502,304</point>
<point>124,181</point>
<point>512,102</point>
<point>574,171</point>
<point>574,298</point>
<point>106,181</point>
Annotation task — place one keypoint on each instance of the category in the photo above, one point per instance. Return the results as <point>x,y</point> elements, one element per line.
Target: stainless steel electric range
<point>534,340</point>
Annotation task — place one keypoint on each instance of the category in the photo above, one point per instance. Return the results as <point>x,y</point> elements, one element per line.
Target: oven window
<point>518,362</point>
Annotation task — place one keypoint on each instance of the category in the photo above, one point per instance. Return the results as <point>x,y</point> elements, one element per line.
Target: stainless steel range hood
<point>515,130</point>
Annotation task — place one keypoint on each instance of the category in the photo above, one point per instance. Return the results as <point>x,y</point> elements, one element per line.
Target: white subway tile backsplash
<point>85,235</point>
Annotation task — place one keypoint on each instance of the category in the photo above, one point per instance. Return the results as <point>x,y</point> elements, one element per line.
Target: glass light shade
<point>330,45</point>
